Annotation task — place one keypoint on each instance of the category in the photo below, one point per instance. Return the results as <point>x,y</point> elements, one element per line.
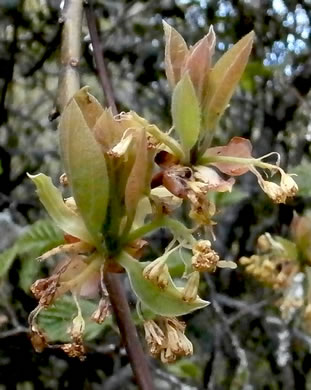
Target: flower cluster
<point>166,339</point>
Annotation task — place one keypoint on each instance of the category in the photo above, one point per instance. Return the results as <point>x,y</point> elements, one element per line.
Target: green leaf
<point>6,260</point>
<point>40,237</point>
<point>63,216</point>
<point>85,166</point>
<point>165,302</point>
<point>223,80</point>
<point>186,112</point>
<point>56,319</point>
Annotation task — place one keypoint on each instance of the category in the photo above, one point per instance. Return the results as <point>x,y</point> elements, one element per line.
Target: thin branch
<point>99,58</point>
<point>138,359</point>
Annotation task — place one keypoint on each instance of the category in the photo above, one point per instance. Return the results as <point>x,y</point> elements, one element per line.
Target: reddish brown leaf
<point>237,147</point>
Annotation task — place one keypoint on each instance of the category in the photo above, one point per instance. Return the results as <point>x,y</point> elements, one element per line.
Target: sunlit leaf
<point>85,167</point>
<point>176,52</point>
<point>224,78</point>
<point>186,112</point>
<point>165,302</point>
<point>66,219</point>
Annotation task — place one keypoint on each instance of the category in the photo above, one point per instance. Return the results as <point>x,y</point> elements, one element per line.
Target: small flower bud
<point>190,291</point>
<point>157,272</point>
<point>274,191</point>
<point>77,328</point>
<point>263,243</point>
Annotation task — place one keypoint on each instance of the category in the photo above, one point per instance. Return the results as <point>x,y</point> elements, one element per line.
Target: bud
<point>204,257</point>
<point>274,191</point>
<point>190,291</point>
<point>77,328</point>
<point>157,272</point>
<point>263,243</point>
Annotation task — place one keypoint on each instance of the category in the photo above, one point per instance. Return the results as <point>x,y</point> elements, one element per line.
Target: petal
<point>213,180</point>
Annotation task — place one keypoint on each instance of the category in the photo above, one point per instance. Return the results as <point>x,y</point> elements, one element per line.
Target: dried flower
<point>102,311</point>
<point>204,257</point>
<point>154,337</point>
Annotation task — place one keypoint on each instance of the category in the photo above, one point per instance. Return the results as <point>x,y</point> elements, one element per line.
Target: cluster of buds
<point>274,272</point>
<point>166,339</point>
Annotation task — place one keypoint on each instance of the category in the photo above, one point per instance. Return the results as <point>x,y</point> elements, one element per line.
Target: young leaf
<point>85,167</point>
<point>165,302</point>
<point>63,216</point>
<point>199,63</point>
<point>89,106</point>
<point>186,112</point>
<point>176,52</point>
<point>137,181</point>
<point>223,80</point>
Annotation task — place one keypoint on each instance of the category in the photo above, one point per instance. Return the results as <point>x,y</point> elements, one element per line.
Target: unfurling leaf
<point>84,163</point>
<point>186,112</point>
<point>63,216</point>
<point>176,52</point>
<point>137,181</point>
<point>165,302</point>
<point>223,80</point>
<point>199,63</point>
<point>237,147</point>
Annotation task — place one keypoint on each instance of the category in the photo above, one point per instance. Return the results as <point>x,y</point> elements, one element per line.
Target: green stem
<point>167,140</point>
<point>237,160</point>
<point>175,226</point>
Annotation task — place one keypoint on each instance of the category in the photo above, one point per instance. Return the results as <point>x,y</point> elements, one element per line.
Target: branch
<point>69,79</point>
<point>138,359</point>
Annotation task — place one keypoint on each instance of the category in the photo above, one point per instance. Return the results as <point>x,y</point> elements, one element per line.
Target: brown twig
<point>99,58</point>
<point>118,299</point>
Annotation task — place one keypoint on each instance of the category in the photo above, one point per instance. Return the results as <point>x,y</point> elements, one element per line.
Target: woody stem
<point>117,296</point>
